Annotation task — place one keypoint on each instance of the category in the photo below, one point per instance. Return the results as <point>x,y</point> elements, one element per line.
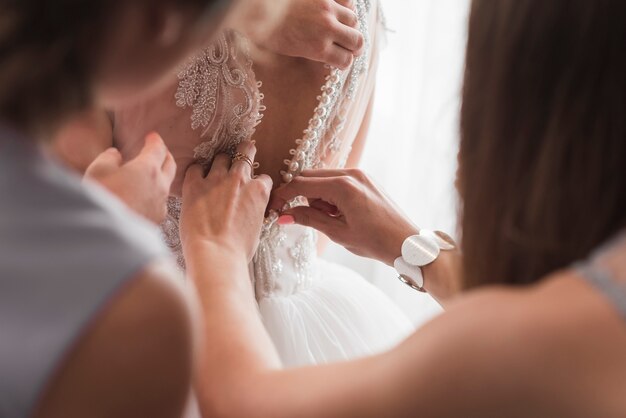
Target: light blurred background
<point>413,142</point>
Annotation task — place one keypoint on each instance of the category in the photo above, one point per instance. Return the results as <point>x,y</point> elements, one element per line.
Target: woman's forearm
<point>442,278</point>
<point>239,373</point>
<point>229,316</point>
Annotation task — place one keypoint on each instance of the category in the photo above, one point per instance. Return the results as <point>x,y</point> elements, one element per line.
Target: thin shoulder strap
<point>599,278</point>
<point>602,278</point>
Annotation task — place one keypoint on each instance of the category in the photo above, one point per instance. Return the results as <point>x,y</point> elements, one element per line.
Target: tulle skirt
<point>340,317</point>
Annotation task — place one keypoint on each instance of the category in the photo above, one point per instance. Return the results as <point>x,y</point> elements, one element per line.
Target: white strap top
<point>600,273</point>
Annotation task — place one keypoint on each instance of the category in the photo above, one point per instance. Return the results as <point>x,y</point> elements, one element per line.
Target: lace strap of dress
<point>599,273</point>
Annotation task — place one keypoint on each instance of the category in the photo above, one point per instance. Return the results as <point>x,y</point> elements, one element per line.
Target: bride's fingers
<point>346,16</point>
<point>350,39</point>
<point>346,3</point>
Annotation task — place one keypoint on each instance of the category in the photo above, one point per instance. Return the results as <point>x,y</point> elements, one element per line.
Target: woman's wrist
<point>395,239</point>
<point>211,252</point>
<point>441,276</point>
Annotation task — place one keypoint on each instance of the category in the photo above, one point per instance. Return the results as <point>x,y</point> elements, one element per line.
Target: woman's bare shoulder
<point>519,352</point>
<point>142,344</point>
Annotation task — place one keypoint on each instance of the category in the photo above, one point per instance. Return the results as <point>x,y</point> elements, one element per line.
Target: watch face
<point>420,250</point>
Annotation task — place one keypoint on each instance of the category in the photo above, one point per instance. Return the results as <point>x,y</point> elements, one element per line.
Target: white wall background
<point>414,136</point>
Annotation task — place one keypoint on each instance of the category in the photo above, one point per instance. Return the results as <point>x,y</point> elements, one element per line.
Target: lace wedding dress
<point>315,311</point>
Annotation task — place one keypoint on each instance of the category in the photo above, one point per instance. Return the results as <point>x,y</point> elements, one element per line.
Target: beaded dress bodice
<point>223,103</point>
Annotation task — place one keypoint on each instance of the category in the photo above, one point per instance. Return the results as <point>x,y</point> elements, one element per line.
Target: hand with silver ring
<point>241,157</point>
<point>225,209</point>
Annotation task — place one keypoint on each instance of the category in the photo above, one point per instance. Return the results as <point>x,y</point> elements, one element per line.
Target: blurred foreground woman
<point>89,310</point>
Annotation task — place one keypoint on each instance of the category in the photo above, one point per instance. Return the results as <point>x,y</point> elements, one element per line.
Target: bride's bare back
<point>291,87</point>
<point>302,114</point>
<point>221,98</point>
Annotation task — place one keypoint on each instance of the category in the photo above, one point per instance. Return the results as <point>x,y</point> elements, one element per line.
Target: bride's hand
<point>319,30</point>
<point>224,209</point>
<point>350,209</point>
<point>142,183</point>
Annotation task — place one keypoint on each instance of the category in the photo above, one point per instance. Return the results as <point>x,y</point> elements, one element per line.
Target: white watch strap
<point>443,240</point>
<point>420,250</point>
<point>410,275</point>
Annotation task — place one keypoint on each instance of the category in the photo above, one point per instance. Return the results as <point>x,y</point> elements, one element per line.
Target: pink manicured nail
<point>286,220</point>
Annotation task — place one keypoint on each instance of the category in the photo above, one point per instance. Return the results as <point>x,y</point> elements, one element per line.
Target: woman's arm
<point>240,373</point>
<point>356,152</point>
<point>369,223</point>
<point>449,368</point>
<point>135,360</point>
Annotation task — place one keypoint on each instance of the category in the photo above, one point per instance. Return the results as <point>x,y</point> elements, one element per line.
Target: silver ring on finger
<point>243,157</point>
<point>239,156</point>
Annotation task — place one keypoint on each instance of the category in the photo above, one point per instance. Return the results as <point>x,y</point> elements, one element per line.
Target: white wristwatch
<point>418,251</point>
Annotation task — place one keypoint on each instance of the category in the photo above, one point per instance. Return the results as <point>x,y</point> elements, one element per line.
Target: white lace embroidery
<point>267,263</point>
<point>219,86</point>
<point>303,254</point>
<point>215,77</point>
<point>170,230</point>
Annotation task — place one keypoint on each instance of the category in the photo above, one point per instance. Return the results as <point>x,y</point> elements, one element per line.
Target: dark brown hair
<point>47,53</point>
<point>543,136</point>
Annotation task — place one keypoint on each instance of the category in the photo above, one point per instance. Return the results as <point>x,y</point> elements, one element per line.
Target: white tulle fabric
<point>314,311</point>
<point>339,317</point>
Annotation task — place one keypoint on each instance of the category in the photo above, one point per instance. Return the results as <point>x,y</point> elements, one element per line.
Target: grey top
<point>598,273</point>
<point>65,249</point>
